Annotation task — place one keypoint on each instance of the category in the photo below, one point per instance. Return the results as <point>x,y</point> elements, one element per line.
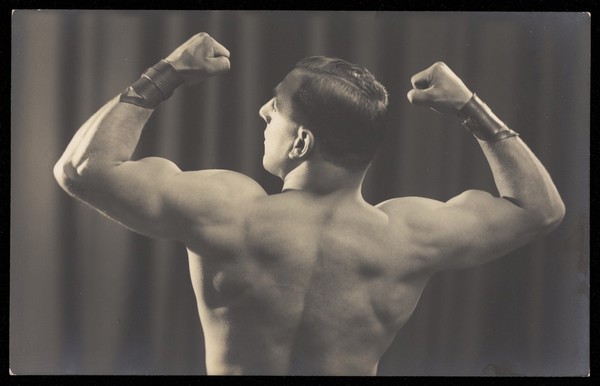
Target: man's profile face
<point>281,130</point>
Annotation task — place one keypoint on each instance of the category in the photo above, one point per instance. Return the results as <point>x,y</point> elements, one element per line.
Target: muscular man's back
<point>304,284</point>
<point>301,283</point>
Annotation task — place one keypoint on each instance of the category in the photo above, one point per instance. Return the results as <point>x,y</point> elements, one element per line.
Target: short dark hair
<point>344,106</point>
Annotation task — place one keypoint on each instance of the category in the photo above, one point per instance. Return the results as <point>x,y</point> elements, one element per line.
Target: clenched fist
<point>199,58</point>
<point>439,88</point>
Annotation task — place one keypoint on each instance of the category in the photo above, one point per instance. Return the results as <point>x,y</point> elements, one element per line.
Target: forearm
<point>111,135</point>
<point>107,139</point>
<point>521,178</point>
<point>519,175</point>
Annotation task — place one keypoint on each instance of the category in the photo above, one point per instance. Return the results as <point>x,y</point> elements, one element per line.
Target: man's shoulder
<point>226,184</point>
<point>212,196</point>
<point>408,205</point>
<point>412,214</point>
<point>215,204</point>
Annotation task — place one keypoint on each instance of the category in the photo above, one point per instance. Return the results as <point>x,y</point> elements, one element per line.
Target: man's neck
<point>325,178</point>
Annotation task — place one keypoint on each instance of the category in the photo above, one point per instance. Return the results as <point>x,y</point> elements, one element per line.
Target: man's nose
<point>263,111</point>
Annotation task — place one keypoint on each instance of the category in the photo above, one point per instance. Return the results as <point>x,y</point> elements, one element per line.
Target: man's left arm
<point>151,196</point>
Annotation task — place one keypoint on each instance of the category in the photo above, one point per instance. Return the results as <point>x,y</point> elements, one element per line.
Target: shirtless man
<point>313,280</point>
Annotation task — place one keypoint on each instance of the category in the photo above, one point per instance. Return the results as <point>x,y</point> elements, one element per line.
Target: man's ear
<point>303,143</point>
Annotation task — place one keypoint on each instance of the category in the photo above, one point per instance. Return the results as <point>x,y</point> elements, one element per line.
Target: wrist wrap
<point>155,85</point>
<point>482,122</point>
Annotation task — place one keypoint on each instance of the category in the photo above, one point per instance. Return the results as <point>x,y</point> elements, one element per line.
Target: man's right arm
<point>476,227</point>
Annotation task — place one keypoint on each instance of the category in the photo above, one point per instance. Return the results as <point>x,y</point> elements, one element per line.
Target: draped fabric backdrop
<point>90,297</point>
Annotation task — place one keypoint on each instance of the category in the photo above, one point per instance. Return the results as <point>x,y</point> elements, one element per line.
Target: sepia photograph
<point>300,193</point>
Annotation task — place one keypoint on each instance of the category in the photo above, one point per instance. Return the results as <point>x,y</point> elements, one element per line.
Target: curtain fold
<point>90,297</point>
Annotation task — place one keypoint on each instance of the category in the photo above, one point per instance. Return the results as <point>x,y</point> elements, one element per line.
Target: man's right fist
<point>439,88</point>
<point>199,58</point>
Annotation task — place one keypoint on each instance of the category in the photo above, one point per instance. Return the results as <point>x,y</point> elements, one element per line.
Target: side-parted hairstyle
<point>344,107</point>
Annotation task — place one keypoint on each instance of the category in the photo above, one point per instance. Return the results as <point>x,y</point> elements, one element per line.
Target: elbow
<point>63,174</point>
<point>67,175</point>
<point>558,214</point>
<point>550,218</point>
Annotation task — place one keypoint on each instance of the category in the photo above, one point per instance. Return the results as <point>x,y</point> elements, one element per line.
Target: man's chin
<point>269,168</point>
<point>273,170</point>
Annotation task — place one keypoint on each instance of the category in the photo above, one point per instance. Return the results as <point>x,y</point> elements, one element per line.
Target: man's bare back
<point>313,280</point>
<point>316,285</point>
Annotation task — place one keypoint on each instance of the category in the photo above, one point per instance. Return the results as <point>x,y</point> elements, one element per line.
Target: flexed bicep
<point>154,197</point>
<point>470,229</point>
<point>131,193</point>
<point>476,227</point>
